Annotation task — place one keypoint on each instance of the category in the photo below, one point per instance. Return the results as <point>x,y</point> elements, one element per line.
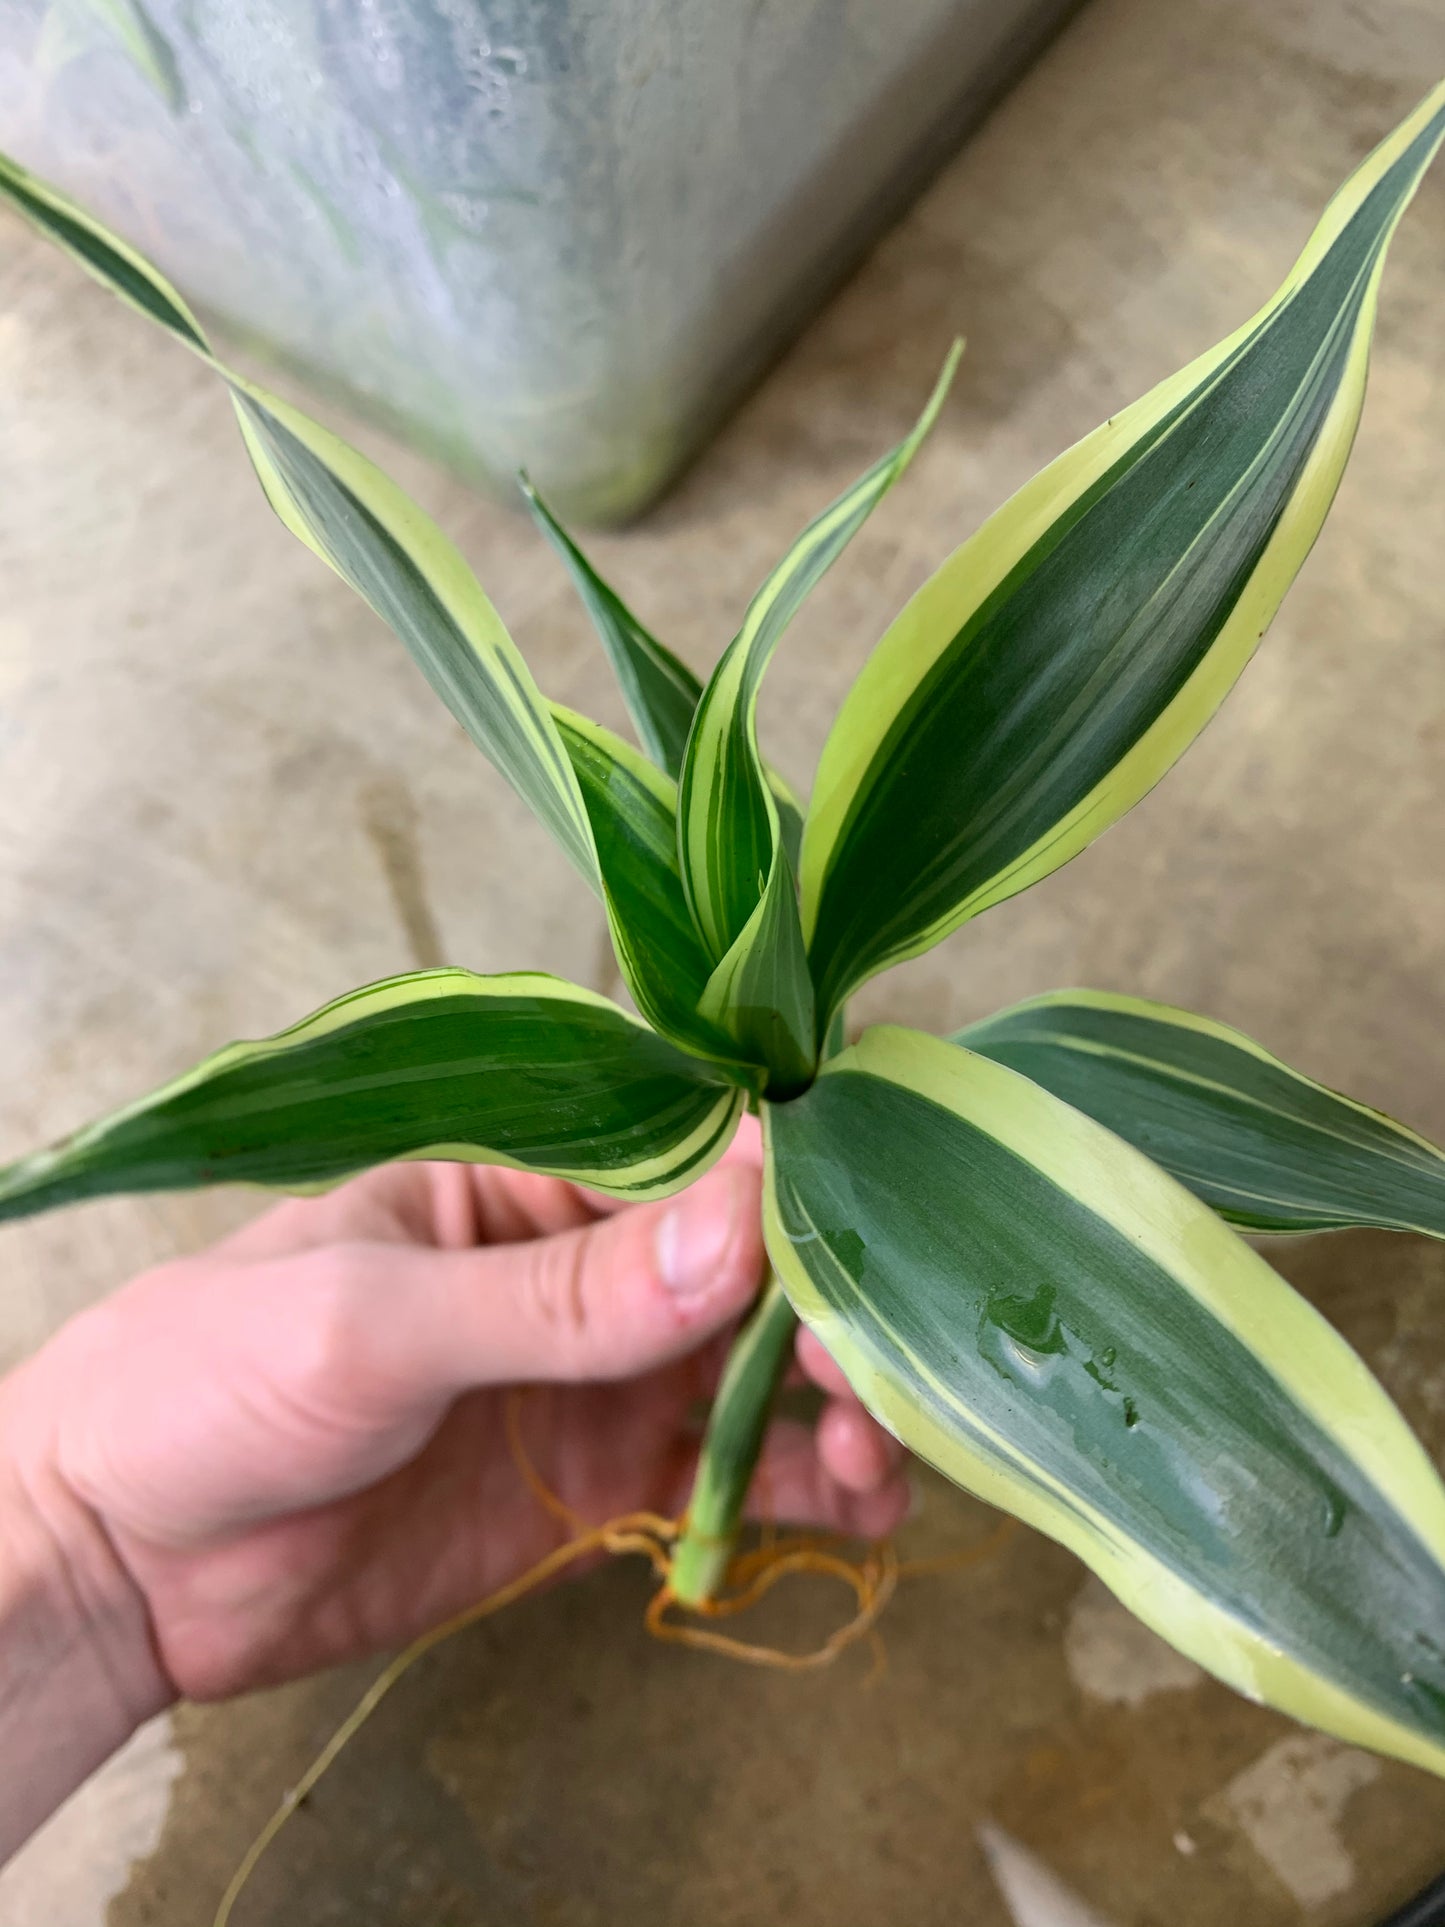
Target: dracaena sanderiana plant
<point>1019,1242</point>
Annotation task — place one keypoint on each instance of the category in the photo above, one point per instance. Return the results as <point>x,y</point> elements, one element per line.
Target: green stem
<point>730,1447</point>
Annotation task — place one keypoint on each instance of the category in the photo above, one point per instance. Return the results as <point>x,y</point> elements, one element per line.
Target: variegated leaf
<point>1271,1150</point>
<point>368,530</point>
<point>633,810</point>
<point>761,993</point>
<point>1052,670</point>
<point>733,839</point>
<point>521,1070</point>
<point>727,819</point>
<point>660,691</point>
<point>1056,1324</point>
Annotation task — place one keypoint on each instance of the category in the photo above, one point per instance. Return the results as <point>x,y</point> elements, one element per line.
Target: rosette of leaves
<point>1021,1243</point>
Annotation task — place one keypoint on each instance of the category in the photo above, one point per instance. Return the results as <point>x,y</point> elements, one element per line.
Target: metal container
<point>560,234</point>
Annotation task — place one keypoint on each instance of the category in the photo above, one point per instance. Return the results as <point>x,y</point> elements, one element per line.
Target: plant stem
<point>730,1447</point>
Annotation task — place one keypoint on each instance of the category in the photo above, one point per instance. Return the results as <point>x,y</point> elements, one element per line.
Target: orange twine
<point>750,1575</point>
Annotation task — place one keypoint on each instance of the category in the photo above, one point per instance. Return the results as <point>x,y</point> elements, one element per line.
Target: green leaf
<point>1269,1149</point>
<point>376,539</point>
<point>522,1070</point>
<point>1057,1325</point>
<point>728,1458</point>
<point>102,254</point>
<point>632,806</point>
<point>791,813</point>
<point>661,692</point>
<point>727,819</point>
<point>761,992</point>
<point>1059,662</point>
<point>733,833</point>
<point>369,531</point>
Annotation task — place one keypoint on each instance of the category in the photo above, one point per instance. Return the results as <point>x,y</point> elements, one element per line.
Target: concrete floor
<point>228,796</point>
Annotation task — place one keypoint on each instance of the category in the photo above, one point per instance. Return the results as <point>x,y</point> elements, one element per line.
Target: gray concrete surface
<point>226,796</point>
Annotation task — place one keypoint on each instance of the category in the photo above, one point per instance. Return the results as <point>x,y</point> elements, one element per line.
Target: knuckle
<point>560,1303</point>
<point>331,1340</point>
<point>547,1200</point>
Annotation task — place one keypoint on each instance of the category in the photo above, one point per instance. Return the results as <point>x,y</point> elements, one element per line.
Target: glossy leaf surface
<point>761,993</point>
<point>1060,661</point>
<point>732,838</point>
<point>633,810</point>
<point>660,691</point>
<point>1057,1325</point>
<point>523,1070</point>
<point>1269,1149</point>
<point>369,531</point>
<point>727,820</point>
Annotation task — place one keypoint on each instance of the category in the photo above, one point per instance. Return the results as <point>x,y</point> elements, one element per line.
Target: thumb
<point>606,1301</point>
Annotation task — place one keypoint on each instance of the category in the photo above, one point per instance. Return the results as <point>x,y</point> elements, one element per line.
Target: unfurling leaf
<point>727,820</point>
<point>732,841</point>
<point>633,809</point>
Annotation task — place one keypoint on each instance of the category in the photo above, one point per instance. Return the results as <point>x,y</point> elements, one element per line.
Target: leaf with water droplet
<point>1028,1318</point>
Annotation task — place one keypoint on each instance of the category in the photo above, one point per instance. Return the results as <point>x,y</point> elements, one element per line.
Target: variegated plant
<point>1017,1241</point>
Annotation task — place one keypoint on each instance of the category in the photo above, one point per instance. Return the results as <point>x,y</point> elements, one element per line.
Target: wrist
<point>78,1668</point>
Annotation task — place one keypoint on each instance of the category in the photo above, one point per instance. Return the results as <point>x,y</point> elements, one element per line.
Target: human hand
<point>293,1446</point>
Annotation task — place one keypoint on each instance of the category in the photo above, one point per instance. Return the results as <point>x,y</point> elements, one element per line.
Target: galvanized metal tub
<point>564,234</point>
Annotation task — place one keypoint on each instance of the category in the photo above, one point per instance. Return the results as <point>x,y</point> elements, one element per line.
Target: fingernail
<point>693,1238</point>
